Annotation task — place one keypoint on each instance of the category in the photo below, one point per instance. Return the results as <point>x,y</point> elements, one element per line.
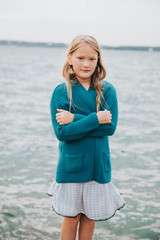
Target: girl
<point>84,113</point>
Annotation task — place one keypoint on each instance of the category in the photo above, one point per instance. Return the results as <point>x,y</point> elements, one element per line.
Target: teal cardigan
<point>84,153</point>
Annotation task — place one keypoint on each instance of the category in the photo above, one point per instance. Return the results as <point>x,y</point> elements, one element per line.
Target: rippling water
<point>28,147</point>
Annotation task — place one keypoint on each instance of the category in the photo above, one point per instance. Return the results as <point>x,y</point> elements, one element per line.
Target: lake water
<point>28,147</point>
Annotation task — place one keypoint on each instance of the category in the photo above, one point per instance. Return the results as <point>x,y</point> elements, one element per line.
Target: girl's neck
<point>86,83</point>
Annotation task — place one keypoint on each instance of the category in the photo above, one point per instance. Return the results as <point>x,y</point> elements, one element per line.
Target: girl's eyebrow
<point>80,55</point>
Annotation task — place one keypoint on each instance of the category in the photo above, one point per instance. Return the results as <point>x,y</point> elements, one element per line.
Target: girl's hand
<point>64,117</point>
<point>104,117</point>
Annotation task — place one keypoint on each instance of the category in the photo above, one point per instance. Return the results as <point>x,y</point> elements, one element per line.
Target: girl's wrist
<point>98,116</point>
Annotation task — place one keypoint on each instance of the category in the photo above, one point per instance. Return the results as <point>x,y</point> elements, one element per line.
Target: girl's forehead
<point>85,49</point>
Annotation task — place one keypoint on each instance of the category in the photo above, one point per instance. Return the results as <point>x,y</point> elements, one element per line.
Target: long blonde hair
<point>98,75</point>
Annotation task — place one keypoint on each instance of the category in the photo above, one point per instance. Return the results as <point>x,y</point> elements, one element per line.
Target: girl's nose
<point>86,64</point>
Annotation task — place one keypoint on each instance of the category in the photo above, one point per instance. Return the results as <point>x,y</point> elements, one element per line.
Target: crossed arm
<point>65,117</point>
<point>69,126</point>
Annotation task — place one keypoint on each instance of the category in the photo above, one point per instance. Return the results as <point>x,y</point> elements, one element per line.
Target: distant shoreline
<point>63,45</point>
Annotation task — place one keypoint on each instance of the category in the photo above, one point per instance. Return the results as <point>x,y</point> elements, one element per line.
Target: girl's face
<point>84,61</point>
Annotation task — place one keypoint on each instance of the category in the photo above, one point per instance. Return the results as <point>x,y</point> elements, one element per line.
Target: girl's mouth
<point>84,70</point>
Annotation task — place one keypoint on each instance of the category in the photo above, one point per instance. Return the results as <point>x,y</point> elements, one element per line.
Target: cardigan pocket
<point>74,163</point>
<point>107,162</point>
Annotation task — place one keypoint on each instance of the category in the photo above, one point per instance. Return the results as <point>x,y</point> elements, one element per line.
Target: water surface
<point>28,147</point>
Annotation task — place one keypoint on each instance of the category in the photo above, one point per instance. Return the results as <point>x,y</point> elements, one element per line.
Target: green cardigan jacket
<point>84,147</point>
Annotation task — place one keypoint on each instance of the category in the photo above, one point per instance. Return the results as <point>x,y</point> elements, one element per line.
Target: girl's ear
<point>69,59</point>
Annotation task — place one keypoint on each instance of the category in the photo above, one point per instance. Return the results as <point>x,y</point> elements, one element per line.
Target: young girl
<point>84,112</point>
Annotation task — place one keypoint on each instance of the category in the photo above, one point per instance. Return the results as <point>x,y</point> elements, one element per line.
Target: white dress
<point>96,201</point>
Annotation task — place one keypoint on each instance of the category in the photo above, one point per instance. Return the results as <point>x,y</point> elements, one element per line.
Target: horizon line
<point>61,44</point>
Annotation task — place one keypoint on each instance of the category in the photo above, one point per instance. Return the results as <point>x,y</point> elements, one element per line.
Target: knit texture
<point>84,153</point>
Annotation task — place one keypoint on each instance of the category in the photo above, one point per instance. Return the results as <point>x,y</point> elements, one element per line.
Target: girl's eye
<point>92,59</point>
<point>80,58</point>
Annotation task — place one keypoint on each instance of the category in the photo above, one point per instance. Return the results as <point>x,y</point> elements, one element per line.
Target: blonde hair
<point>98,75</point>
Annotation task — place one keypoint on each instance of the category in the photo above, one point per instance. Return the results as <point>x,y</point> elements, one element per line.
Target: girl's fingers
<point>58,115</point>
<point>60,122</point>
<point>60,110</point>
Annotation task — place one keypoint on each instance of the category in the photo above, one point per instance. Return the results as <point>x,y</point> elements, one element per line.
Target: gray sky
<point>111,22</point>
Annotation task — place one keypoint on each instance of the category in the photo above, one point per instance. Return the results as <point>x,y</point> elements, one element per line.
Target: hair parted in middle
<point>98,75</point>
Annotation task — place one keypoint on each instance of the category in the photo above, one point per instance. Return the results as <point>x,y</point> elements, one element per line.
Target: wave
<point>63,45</point>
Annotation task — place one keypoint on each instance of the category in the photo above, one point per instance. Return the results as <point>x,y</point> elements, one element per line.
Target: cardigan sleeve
<point>109,128</point>
<point>74,130</point>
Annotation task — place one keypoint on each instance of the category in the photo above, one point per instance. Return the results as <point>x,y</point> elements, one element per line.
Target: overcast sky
<point>111,22</point>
